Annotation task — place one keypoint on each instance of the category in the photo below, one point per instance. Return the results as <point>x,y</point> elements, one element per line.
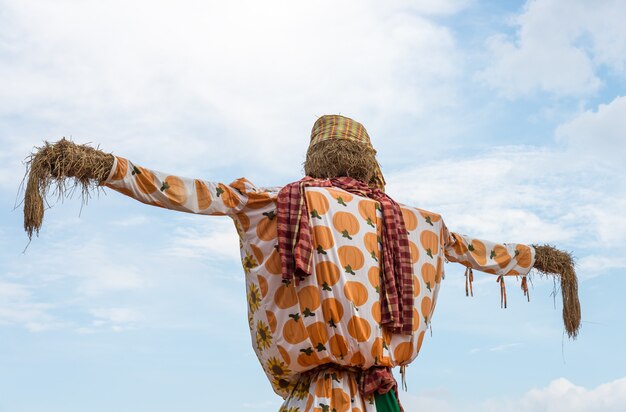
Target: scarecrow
<point>341,281</point>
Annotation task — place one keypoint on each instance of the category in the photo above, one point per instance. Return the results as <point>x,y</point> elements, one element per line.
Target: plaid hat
<point>335,126</point>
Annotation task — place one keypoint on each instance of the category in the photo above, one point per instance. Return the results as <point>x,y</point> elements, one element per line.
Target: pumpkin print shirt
<point>332,317</point>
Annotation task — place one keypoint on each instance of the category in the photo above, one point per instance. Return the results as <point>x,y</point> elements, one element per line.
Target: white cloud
<point>109,277</point>
<point>526,195</point>
<point>508,194</point>
<point>594,265</point>
<point>214,239</point>
<point>598,136</point>
<point>155,78</point>
<point>561,395</point>
<point>115,319</point>
<point>18,307</point>
<point>558,48</point>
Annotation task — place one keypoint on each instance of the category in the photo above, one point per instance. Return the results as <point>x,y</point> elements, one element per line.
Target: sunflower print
<point>283,384</point>
<point>249,262</point>
<point>277,367</point>
<point>250,322</point>
<point>254,297</point>
<point>301,390</point>
<point>263,335</point>
<point>290,409</point>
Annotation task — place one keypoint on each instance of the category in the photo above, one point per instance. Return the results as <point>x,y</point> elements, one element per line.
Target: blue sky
<point>507,118</point>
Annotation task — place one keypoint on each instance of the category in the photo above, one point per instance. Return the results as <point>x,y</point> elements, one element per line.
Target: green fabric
<point>386,402</point>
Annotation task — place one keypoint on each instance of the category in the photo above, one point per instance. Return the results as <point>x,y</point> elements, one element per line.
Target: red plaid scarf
<point>295,246</point>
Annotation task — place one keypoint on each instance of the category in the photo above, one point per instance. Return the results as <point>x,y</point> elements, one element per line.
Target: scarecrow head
<point>341,146</point>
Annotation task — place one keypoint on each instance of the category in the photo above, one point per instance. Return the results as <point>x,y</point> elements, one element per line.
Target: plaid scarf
<point>295,246</point>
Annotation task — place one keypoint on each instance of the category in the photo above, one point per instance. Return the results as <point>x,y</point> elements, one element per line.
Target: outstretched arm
<point>515,259</point>
<point>67,165</point>
<point>173,192</point>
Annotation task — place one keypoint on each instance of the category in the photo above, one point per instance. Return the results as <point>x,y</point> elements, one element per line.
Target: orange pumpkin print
<point>285,296</point>
<point>267,228</point>
<point>284,354</point>
<point>258,254</point>
<point>272,264</point>
<point>323,387</point>
<point>257,200</point>
<point>346,224</point>
<point>378,352</point>
<point>144,180</point>
<point>428,274</point>
<point>439,274</point>
<point>228,195</point>
<point>420,339</point>
<point>120,170</point>
<point>357,359</point>
<point>318,335</point>
<point>430,242</point>
<point>332,310</point>
<point>339,401</point>
<point>203,195</point>
<point>387,336</point>
<point>416,320</point>
<point>374,277</point>
<point>271,320</point>
<point>244,221</point>
<point>341,196</point>
<point>376,315</point>
<point>263,286</point>
<point>338,346</point>
<point>430,217</point>
<point>367,210</point>
<point>351,258</point>
<point>174,189</point>
<point>459,245</point>
<point>355,292</point>
<point>523,255</point>
<point>416,286</point>
<point>426,306</point>
<point>309,297</point>
<point>403,352</point>
<point>322,239</point>
<point>478,251</point>
<point>371,245</point>
<point>317,204</point>
<point>501,256</point>
<point>410,219</point>
<point>415,253</point>
<point>359,328</point>
<point>310,358</point>
<point>294,331</point>
<point>327,274</point>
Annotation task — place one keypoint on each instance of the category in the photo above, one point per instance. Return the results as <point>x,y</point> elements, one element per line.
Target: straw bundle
<point>55,164</point>
<point>560,264</point>
<point>340,157</point>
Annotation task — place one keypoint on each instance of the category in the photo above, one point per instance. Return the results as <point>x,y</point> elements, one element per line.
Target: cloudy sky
<point>506,117</point>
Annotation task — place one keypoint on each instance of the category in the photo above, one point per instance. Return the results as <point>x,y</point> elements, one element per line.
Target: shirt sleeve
<point>502,259</point>
<point>173,192</point>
